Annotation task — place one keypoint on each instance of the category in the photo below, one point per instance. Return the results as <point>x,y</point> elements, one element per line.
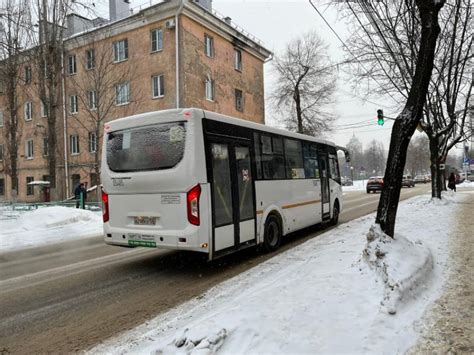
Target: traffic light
<point>380,117</point>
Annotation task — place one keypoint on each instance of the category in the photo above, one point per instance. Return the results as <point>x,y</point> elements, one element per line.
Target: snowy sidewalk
<point>332,294</point>
<point>449,327</point>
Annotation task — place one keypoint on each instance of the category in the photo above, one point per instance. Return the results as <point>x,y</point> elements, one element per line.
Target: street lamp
<point>352,174</point>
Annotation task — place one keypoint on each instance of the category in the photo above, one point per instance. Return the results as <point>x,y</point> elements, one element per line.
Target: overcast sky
<point>276,22</point>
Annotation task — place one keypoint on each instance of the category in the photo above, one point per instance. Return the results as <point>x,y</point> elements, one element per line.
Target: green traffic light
<point>380,120</point>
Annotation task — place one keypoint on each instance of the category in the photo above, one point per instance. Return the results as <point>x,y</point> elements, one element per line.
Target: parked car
<point>375,184</point>
<point>460,177</point>
<point>408,181</point>
<point>423,179</point>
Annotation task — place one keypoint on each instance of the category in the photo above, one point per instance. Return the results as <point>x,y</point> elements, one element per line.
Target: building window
<point>27,74</point>
<point>90,59</point>
<point>239,100</point>
<point>92,142</point>
<point>44,110</point>
<point>121,50</point>
<point>209,89</point>
<point>122,93</point>
<point>158,86</point>
<point>237,60</point>
<point>28,111</point>
<point>157,40</point>
<point>2,187</point>
<point>1,119</point>
<point>72,67</point>
<point>1,152</point>
<point>30,191</point>
<point>29,149</point>
<point>92,95</point>
<point>74,144</point>
<point>45,146</point>
<point>209,46</point>
<point>73,104</point>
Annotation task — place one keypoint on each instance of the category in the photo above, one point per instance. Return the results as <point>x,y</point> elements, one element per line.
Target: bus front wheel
<point>273,235</point>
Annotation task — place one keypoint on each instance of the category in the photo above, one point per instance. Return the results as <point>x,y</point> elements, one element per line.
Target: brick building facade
<point>173,54</point>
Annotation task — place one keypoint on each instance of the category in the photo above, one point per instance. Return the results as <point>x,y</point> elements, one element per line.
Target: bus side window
<point>258,154</point>
<point>278,159</point>
<point>294,159</point>
<point>334,168</point>
<point>273,161</point>
<point>310,157</point>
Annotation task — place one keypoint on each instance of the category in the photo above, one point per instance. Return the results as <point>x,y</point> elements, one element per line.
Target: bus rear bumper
<point>186,239</point>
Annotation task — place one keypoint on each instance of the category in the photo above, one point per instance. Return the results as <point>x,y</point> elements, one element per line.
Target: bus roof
<point>181,114</point>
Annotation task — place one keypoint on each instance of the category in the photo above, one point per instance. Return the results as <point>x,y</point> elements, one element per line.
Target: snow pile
<point>48,225</point>
<point>358,185</point>
<point>402,264</point>
<point>333,294</point>
<point>466,184</point>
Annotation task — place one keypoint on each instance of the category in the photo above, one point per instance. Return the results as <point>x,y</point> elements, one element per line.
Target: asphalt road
<point>71,296</point>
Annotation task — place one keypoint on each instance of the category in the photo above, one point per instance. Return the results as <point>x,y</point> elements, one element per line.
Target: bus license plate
<point>145,221</point>
<point>141,240</point>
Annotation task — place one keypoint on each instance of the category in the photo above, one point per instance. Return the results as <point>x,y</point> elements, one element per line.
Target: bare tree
<point>374,158</point>
<point>385,44</point>
<point>47,54</point>
<point>418,156</point>
<point>13,24</point>
<point>96,89</point>
<point>450,91</point>
<point>305,85</point>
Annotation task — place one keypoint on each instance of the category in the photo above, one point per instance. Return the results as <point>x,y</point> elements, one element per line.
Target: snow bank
<point>403,265</point>
<point>466,184</point>
<point>332,294</point>
<point>358,185</point>
<point>48,225</point>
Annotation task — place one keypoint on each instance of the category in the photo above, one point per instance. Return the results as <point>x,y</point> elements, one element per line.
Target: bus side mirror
<point>346,153</point>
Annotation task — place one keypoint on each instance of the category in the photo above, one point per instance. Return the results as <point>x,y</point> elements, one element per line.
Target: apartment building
<point>176,53</point>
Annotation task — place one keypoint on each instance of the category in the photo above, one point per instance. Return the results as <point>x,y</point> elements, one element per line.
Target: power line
<point>355,57</point>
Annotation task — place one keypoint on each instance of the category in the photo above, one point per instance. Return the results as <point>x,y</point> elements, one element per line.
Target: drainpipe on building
<point>63,89</point>
<point>177,50</point>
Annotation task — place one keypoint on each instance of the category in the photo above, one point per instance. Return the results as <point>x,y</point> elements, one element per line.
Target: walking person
<point>452,182</point>
<point>80,194</point>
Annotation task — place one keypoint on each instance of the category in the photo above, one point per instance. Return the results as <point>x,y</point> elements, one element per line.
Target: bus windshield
<point>146,148</point>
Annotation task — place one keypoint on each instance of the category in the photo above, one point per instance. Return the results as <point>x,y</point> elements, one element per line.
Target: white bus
<point>196,180</point>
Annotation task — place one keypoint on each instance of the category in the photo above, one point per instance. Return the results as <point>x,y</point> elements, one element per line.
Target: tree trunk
<point>13,133</point>
<point>299,117</point>
<point>408,120</point>
<point>434,167</point>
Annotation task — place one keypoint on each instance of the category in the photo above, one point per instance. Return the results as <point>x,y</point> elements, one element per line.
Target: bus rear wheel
<point>335,214</point>
<point>272,235</point>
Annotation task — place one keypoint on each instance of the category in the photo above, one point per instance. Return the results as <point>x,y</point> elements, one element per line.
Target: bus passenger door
<point>324,174</point>
<point>233,207</point>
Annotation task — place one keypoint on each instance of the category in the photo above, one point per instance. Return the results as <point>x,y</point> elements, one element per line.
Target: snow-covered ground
<point>336,293</point>
<point>49,225</point>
